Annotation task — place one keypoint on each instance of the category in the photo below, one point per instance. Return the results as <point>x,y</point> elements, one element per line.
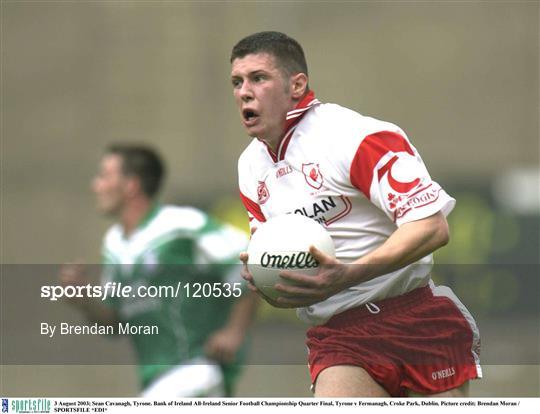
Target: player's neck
<point>272,143</point>
<point>274,138</point>
<point>133,213</point>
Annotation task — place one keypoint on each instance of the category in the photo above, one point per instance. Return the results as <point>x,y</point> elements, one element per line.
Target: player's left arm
<point>224,344</point>
<point>389,172</point>
<point>409,243</point>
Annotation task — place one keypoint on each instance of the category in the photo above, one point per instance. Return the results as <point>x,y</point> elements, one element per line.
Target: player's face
<point>109,185</point>
<point>262,94</point>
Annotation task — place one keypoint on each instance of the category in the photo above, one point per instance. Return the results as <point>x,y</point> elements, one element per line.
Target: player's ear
<point>133,186</point>
<point>299,84</point>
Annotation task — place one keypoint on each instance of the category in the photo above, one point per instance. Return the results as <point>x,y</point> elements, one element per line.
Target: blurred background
<point>461,78</point>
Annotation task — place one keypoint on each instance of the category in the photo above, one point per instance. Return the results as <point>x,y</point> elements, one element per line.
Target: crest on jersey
<point>313,175</point>
<point>262,193</point>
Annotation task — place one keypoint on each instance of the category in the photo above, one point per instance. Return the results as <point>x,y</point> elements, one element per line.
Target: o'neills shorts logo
<point>444,373</point>
<point>302,260</point>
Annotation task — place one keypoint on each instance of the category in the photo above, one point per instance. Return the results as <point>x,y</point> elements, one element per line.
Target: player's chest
<point>135,261</point>
<point>301,185</point>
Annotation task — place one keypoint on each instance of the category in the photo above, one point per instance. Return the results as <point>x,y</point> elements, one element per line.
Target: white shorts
<point>198,377</point>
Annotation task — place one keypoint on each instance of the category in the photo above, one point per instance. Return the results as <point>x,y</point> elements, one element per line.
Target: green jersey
<point>184,249</point>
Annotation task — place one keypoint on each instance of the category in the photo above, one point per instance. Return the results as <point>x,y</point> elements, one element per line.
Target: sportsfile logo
<point>29,405</point>
<point>5,405</point>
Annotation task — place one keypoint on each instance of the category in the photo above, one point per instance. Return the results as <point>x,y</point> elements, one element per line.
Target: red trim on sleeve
<point>370,152</point>
<point>253,208</point>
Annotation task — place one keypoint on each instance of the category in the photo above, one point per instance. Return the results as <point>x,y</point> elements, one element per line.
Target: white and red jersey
<point>358,176</point>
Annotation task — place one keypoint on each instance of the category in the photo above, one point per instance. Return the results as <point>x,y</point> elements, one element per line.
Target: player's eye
<point>236,83</point>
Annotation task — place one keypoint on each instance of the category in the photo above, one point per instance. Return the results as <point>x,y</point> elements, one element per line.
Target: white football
<point>282,243</point>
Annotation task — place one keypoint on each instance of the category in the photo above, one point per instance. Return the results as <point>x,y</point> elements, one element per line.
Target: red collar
<point>292,118</point>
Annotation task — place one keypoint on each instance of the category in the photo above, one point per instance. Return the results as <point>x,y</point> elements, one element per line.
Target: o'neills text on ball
<point>302,260</point>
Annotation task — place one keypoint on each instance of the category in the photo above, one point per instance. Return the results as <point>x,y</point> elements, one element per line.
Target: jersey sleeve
<point>109,274</point>
<point>220,248</point>
<point>389,171</point>
<point>250,193</point>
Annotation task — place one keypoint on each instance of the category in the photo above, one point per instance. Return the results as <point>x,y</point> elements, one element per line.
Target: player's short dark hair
<point>143,162</point>
<point>287,51</point>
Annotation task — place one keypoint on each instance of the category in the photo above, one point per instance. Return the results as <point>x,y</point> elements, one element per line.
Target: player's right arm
<point>249,198</point>
<point>409,243</point>
<point>73,274</point>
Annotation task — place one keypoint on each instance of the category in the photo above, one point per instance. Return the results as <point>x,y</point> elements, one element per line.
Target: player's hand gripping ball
<point>282,243</point>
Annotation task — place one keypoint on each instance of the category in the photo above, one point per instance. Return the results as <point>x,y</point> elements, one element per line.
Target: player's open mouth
<point>250,116</point>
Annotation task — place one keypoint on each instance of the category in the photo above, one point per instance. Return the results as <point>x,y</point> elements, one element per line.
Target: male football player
<point>380,326</point>
<point>199,345</point>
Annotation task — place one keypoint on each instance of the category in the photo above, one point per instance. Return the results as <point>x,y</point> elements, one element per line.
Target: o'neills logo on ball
<point>302,260</point>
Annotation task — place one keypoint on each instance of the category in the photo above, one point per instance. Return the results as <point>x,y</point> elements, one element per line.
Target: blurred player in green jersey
<point>201,339</point>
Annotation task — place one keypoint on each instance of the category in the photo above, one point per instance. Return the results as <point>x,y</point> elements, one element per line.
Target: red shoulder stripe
<point>370,152</point>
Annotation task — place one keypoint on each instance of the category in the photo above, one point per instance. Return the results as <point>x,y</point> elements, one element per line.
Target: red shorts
<point>424,341</point>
